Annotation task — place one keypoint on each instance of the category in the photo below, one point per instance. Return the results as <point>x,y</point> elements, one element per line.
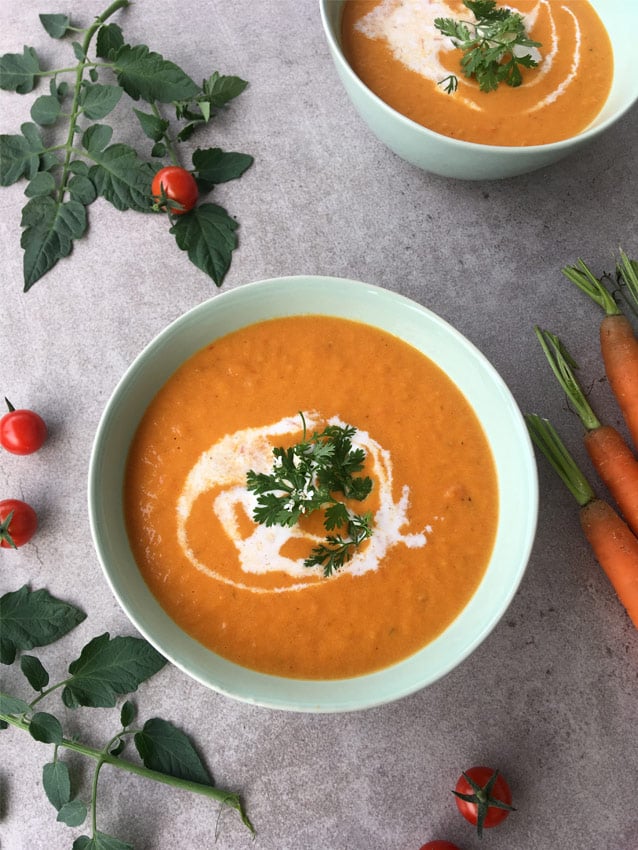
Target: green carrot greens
<point>303,480</point>
<point>495,45</point>
<point>67,175</point>
<point>106,669</point>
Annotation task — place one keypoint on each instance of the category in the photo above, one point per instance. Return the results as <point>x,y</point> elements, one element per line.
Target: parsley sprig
<point>304,479</point>
<point>491,45</point>
<point>75,161</point>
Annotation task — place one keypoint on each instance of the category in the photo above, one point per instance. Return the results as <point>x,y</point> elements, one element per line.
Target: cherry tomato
<point>175,184</point>
<point>18,523</point>
<point>22,432</point>
<point>440,845</point>
<point>483,797</point>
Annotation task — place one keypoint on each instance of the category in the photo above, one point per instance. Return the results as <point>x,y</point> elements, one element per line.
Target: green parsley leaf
<point>493,45</point>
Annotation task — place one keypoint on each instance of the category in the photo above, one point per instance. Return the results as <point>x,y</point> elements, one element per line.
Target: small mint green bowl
<point>469,161</point>
<point>466,366</point>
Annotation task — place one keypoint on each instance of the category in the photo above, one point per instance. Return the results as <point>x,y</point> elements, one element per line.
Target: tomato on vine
<point>483,797</point>
<point>18,523</point>
<point>176,188</point>
<point>440,845</point>
<point>22,432</point>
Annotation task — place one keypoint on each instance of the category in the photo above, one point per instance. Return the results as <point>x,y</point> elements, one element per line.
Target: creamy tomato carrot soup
<point>241,588</point>
<point>396,50</point>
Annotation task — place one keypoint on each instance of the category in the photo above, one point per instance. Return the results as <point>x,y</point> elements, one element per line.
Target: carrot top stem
<point>547,440</point>
<point>563,366</point>
<point>628,272</point>
<point>585,279</point>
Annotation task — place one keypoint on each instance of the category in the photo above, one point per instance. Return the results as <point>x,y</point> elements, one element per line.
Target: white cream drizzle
<point>408,28</point>
<point>225,465</point>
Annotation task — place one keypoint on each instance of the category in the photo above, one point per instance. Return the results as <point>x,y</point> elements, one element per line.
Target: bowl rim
<point>585,135</point>
<point>279,296</point>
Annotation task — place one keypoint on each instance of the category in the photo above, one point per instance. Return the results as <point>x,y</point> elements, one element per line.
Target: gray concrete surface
<point>550,697</point>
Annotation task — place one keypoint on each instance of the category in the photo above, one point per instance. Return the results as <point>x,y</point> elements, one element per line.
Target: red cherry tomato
<point>22,432</point>
<point>440,845</point>
<point>483,797</point>
<point>174,183</point>
<point>18,523</point>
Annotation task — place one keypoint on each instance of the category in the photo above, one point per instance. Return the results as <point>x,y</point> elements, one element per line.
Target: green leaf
<point>45,110</point>
<point>13,705</point>
<point>46,728</point>
<point>78,51</point>
<point>100,841</point>
<point>18,71</point>
<point>56,25</point>
<point>159,150</point>
<point>72,813</point>
<point>96,138</point>
<point>34,618</point>
<point>219,89</point>
<point>109,40</point>
<point>216,166</point>
<point>20,155</point>
<point>108,667</point>
<point>98,100</point>
<point>42,184</point>
<point>82,189</point>
<point>207,233</point>
<point>165,748</point>
<point>34,671</point>
<point>78,166</point>
<point>153,126</point>
<point>127,714</point>
<point>147,75</point>
<point>57,783</point>
<point>121,177</point>
<point>50,228</point>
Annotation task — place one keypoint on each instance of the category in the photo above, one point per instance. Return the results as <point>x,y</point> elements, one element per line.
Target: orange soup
<point>241,588</point>
<point>396,50</point>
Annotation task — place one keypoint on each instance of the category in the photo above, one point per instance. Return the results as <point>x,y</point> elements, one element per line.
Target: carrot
<point>612,541</point>
<point>612,458</point>
<point>618,342</point>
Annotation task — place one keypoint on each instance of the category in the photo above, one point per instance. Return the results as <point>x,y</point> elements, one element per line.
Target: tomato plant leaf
<point>207,233</point>
<point>219,89</point>
<point>13,705</point>
<point>147,75</point>
<point>165,748</point>
<point>50,228</point>
<point>45,110</point>
<point>57,783</point>
<point>82,189</point>
<point>18,71</point>
<point>33,618</point>
<point>214,165</point>
<point>96,138</point>
<point>46,728</point>
<point>127,714</point>
<point>100,841</point>
<point>20,155</point>
<point>98,100</point>
<point>42,184</point>
<point>121,177</point>
<point>72,813</point>
<point>108,667</point>
<point>109,40</point>
<point>34,672</point>
<point>153,126</point>
<point>56,25</point>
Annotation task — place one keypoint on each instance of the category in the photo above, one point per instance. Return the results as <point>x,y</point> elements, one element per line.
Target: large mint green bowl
<point>477,379</point>
<point>467,160</point>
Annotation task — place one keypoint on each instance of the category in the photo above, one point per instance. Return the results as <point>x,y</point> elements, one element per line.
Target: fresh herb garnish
<point>494,45</point>
<point>303,480</point>
<point>106,669</point>
<point>67,175</point>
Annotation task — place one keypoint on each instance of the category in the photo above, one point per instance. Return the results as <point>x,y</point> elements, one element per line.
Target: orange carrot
<point>618,342</point>
<point>612,541</point>
<point>611,456</point>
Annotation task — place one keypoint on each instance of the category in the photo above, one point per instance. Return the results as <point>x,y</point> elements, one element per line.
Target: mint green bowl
<point>465,365</point>
<point>467,160</point>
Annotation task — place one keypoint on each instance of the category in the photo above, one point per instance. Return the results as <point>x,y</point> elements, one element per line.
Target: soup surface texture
<point>396,50</point>
<point>242,589</point>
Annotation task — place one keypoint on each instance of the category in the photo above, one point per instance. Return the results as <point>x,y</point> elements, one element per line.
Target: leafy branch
<point>106,669</point>
<point>65,178</point>
<point>303,480</point>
